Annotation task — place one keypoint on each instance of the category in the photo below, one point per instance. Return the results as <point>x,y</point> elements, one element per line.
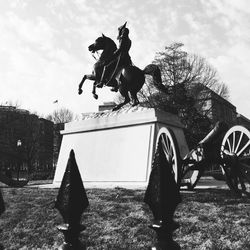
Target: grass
<point>118,219</point>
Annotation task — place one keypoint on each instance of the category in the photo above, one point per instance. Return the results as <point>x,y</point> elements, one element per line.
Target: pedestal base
<point>117,147</point>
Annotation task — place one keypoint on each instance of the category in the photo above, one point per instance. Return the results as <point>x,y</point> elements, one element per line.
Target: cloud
<point>43,45</point>
<point>232,15</point>
<point>233,67</point>
<point>18,4</point>
<point>35,66</point>
<point>232,56</point>
<point>36,32</point>
<point>194,24</point>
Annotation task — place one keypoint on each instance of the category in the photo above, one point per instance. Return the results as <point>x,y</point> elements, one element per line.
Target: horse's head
<point>99,44</point>
<point>103,43</point>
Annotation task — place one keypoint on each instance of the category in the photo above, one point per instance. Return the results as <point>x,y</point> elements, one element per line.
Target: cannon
<point>229,149</point>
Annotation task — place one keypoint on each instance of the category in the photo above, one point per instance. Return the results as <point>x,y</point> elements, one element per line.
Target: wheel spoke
<point>238,144</point>
<point>165,145</point>
<point>242,150</point>
<point>233,142</point>
<point>168,144</point>
<point>171,152</point>
<point>167,149</point>
<point>229,146</point>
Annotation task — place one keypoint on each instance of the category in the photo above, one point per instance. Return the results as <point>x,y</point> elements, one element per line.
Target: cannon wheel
<point>235,153</point>
<point>191,168</point>
<point>171,150</point>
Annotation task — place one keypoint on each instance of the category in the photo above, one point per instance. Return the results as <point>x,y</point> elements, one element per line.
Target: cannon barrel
<point>212,142</point>
<point>216,134</point>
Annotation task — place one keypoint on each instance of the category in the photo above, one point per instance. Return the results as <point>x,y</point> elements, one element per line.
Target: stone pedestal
<point>116,148</point>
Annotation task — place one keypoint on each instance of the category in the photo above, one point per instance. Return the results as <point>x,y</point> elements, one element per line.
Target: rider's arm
<point>119,50</point>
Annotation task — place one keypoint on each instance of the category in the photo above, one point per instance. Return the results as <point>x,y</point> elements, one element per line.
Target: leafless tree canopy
<point>180,68</point>
<point>61,115</point>
<point>186,77</point>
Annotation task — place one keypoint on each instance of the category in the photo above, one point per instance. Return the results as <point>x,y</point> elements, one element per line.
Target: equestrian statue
<point>115,69</point>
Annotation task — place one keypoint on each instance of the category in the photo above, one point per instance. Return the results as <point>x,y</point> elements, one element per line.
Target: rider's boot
<point>115,88</point>
<point>99,84</point>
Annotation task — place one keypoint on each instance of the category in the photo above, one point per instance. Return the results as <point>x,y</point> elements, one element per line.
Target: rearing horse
<point>130,79</point>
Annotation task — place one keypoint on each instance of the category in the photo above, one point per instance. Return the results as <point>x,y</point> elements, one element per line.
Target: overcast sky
<point>43,45</point>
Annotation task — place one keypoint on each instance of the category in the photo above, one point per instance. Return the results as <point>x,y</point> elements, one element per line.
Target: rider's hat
<point>122,30</point>
<point>122,27</point>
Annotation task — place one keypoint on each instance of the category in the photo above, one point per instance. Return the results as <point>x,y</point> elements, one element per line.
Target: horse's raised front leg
<point>89,77</point>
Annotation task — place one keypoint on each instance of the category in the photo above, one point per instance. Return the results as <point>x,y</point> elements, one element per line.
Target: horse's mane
<point>112,43</point>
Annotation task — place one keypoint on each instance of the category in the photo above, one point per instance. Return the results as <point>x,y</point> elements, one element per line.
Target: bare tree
<point>180,68</point>
<point>61,115</point>
<point>185,76</point>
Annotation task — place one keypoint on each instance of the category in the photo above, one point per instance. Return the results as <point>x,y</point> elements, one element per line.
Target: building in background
<point>10,135</point>
<point>216,107</point>
<point>25,137</point>
<point>45,144</point>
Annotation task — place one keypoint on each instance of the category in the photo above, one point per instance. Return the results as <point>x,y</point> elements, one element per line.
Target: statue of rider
<point>118,60</point>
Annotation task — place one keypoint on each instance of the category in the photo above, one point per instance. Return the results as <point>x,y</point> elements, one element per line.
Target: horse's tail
<point>155,72</point>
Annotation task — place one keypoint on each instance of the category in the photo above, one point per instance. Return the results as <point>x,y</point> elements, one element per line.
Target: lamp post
<point>19,147</point>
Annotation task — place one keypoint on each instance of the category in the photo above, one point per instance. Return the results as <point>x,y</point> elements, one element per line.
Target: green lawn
<point>118,219</point>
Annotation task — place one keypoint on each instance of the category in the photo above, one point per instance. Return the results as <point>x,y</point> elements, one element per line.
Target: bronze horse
<point>130,79</point>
